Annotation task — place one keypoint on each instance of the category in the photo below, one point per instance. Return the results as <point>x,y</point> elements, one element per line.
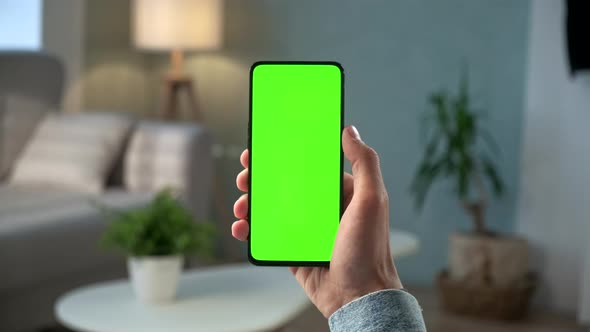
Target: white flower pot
<point>155,278</point>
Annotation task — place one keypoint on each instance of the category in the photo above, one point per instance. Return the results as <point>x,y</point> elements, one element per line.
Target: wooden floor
<point>438,321</point>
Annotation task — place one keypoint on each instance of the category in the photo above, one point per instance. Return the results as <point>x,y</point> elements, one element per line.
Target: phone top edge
<point>273,62</point>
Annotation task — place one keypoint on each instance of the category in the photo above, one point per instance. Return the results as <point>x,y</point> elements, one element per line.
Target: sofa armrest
<point>178,155</point>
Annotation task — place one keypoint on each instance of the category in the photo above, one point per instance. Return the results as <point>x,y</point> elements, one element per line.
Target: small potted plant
<point>488,271</point>
<point>156,238</point>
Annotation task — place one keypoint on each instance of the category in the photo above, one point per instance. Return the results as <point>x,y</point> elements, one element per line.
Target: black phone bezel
<point>254,65</point>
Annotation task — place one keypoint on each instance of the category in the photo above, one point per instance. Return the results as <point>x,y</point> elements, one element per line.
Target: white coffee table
<point>229,298</point>
<point>237,297</point>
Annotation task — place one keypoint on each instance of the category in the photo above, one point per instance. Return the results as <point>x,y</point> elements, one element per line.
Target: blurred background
<point>511,78</point>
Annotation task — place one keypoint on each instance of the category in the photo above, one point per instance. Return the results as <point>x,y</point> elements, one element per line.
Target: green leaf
<point>451,145</point>
<point>464,176</point>
<point>432,146</point>
<point>493,176</point>
<point>425,176</point>
<point>439,102</point>
<point>163,227</point>
<point>489,141</point>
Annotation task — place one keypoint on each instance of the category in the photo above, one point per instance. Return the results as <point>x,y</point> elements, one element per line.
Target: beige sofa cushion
<point>19,117</point>
<point>49,234</point>
<point>25,208</point>
<point>73,151</point>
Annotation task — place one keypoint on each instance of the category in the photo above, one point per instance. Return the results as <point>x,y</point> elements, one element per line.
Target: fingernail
<point>354,132</point>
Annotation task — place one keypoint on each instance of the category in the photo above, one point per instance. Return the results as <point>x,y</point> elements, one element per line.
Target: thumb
<point>366,171</point>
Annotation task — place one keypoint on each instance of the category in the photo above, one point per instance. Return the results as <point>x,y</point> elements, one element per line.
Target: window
<point>20,24</point>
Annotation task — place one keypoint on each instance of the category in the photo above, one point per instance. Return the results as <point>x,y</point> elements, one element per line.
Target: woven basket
<point>486,301</point>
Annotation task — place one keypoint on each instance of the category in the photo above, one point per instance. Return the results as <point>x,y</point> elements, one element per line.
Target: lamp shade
<point>177,24</point>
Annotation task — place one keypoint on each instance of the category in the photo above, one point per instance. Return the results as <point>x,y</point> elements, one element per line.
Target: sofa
<point>51,182</point>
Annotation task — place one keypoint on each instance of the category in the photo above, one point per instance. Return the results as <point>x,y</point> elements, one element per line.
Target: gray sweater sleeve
<point>388,310</point>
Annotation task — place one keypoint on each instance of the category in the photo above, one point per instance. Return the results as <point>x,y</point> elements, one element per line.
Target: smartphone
<point>295,171</point>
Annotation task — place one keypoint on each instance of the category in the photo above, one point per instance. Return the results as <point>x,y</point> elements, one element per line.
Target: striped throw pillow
<point>73,151</point>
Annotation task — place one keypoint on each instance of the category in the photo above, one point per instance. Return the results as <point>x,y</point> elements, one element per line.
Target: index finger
<point>245,158</point>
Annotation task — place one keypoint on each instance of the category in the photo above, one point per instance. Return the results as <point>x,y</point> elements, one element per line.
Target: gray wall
<point>116,75</point>
<point>63,34</point>
<point>394,53</point>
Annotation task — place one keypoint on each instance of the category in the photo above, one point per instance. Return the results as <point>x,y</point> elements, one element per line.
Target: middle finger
<point>242,180</point>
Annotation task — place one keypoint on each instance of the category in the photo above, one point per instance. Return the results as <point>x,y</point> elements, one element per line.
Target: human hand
<point>361,260</point>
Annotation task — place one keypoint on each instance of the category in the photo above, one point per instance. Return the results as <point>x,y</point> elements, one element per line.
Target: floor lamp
<point>177,26</point>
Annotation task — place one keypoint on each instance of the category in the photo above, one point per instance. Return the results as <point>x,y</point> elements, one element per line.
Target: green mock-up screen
<point>295,161</point>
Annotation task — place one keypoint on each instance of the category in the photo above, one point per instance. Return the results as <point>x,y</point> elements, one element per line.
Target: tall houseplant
<point>487,273</point>
<point>453,152</point>
<point>156,238</point>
